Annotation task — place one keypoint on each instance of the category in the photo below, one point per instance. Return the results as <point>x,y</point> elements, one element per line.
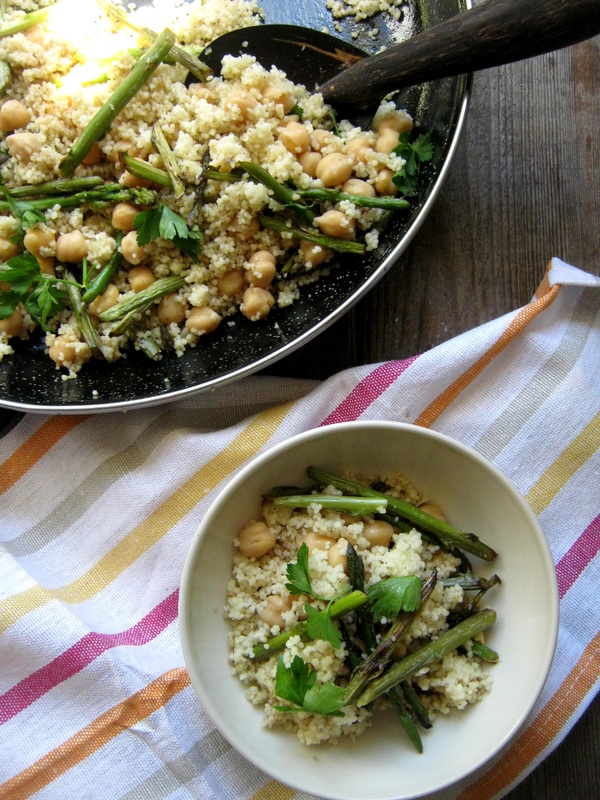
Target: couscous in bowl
<point>379,763</point>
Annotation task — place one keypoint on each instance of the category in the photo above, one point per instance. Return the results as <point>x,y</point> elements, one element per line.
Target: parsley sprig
<point>25,213</point>
<point>394,595</point>
<point>346,604</point>
<point>43,296</point>
<point>415,153</point>
<point>161,222</point>
<point>319,623</point>
<point>298,685</point>
<point>397,599</point>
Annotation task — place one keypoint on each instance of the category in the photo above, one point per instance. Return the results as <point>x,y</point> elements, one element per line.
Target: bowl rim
<point>273,452</point>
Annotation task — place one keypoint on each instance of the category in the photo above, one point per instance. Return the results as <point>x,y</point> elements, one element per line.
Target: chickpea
<point>8,249</point>
<point>336,223</point>
<point>246,230</point>
<point>12,325</point>
<point>321,138</point>
<point>36,239</point>
<point>13,115</point>
<point>239,103</point>
<point>278,94</point>
<point>433,510</point>
<point>313,254</point>
<point>261,269</point>
<point>274,610</point>
<point>256,539</point>
<point>378,532</point>
<point>337,554</point>
<point>358,149</point>
<point>46,265</point>
<point>295,137</point>
<point>123,216</point>
<point>231,282</point>
<point>120,147</point>
<point>93,157</point>
<point>23,145</point>
<point>202,92</point>
<point>257,303</point>
<point>202,320</point>
<point>334,169</point>
<point>309,161</point>
<point>35,34</point>
<point>104,301</point>
<point>140,278</point>
<point>384,184</point>
<point>131,250</point>
<point>71,247</point>
<point>129,179</point>
<point>387,140</point>
<point>398,121</point>
<point>316,541</point>
<point>358,187</point>
<point>64,351</point>
<point>171,309</point>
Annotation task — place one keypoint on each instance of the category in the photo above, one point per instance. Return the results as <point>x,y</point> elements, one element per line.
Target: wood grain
<point>524,187</point>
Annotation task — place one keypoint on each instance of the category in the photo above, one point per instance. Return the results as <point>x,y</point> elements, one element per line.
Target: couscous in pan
<point>214,336</point>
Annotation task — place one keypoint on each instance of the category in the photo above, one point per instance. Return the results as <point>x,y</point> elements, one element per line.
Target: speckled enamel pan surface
<point>30,382</point>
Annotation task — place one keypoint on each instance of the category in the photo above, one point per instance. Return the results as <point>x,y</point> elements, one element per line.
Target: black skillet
<point>29,381</point>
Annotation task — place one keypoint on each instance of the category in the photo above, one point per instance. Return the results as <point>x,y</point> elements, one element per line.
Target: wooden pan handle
<point>493,33</point>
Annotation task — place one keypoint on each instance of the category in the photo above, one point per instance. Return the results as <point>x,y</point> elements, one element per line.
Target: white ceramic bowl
<point>381,764</point>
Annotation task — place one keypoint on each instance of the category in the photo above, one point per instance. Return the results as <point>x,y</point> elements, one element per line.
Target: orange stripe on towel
<point>516,326</point>
<point>544,286</point>
<point>95,735</point>
<point>43,440</point>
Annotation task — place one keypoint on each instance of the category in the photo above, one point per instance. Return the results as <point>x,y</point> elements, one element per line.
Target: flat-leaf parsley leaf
<point>298,685</point>
<point>292,683</point>
<point>41,294</point>
<point>25,213</point>
<point>298,575</point>
<point>394,595</point>
<point>161,222</point>
<point>319,625</point>
<point>414,153</point>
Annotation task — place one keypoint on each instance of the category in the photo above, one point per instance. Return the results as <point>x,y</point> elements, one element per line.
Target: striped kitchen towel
<point>97,515</point>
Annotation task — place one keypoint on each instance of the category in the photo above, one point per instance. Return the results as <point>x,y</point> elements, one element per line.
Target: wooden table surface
<point>524,187</point>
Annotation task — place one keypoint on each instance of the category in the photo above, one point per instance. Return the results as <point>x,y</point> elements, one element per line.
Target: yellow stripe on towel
<point>138,541</point>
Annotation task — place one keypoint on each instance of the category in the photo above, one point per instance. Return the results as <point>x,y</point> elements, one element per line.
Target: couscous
<point>301,559</point>
<point>189,209</point>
